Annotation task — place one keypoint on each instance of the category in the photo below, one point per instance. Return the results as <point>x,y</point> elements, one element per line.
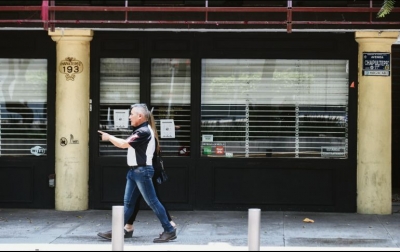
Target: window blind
<point>119,89</point>
<point>170,97</point>
<point>119,80</point>
<point>274,108</point>
<point>23,107</point>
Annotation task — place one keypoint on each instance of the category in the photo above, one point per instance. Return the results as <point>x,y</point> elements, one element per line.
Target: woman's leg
<point>143,176</point>
<point>129,223</point>
<point>157,194</point>
<point>135,211</point>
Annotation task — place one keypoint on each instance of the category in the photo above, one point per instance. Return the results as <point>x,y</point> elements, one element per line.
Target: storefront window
<point>274,108</point>
<point>119,89</point>
<point>170,97</point>
<point>23,107</point>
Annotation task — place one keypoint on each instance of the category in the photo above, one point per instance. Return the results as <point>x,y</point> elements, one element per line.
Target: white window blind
<point>275,108</point>
<point>227,81</point>
<point>119,89</point>
<point>119,80</point>
<point>170,81</point>
<point>170,97</point>
<point>23,107</point>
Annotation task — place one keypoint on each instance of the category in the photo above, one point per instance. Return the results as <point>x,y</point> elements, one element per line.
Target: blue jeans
<point>138,181</point>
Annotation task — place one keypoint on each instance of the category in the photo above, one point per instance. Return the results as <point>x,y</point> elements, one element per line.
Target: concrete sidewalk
<point>33,229</point>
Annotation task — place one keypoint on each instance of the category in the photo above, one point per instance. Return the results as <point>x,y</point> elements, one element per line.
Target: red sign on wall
<point>219,150</point>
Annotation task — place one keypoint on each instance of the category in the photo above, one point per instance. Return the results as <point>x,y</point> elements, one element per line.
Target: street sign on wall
<point>376,64</point>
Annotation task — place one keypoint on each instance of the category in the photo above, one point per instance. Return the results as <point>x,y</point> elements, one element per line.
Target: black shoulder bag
<point>163,174</point>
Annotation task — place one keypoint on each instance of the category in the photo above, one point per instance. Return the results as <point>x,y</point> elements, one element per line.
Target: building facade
<point>298,119</point>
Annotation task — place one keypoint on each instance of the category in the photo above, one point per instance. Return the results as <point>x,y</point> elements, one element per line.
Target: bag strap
<point>160,156</point>
<point>159,148</point>
<point>161,161</point>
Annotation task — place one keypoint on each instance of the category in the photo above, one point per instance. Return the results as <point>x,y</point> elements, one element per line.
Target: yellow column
<point>72,119</point>
<point>374,185</point>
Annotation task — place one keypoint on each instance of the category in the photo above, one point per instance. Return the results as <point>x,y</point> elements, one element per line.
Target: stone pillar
<point>374,184</point>
<point>72,119</point>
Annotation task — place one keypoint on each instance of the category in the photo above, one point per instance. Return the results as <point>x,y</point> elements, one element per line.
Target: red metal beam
<point>20,8</point>
<point>145,22</point>
<point>195,9</point>
<point>49,9</point>
<point>20,21</point>
<point>168,9</point>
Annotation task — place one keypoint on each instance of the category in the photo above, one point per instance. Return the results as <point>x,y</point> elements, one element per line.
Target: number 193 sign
<point>70,66</point>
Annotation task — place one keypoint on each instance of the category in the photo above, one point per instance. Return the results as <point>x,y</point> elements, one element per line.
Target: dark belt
<point>137,166</point>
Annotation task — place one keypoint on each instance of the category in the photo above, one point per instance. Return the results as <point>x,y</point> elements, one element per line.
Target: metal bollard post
<point>254,229</point>
<point>117,236</point>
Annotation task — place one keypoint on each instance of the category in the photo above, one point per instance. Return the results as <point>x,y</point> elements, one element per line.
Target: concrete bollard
<point>117,238</point>
<point>254,229</point>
